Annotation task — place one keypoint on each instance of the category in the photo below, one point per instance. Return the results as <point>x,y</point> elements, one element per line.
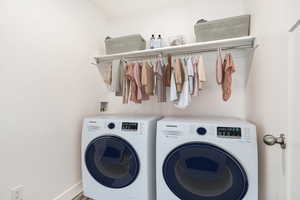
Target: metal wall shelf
<point>234,43</point>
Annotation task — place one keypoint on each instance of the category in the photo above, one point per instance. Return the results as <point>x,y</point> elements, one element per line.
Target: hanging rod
<point>202,47</point>
<point>214,49</point>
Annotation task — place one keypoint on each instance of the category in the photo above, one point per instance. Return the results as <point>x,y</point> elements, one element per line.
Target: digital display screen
<point>230,132</point>
<point>129,126</point>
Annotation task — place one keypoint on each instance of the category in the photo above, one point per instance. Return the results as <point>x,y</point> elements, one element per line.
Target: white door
<point>293,148</point>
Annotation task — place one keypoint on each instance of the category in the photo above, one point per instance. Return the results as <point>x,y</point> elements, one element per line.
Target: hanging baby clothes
<point>173,90</point>
<point>159,90</point>
<point>106,74</point>
<point>201,72</point>
<point>168,69</point>
<point>219,67</point>
<point>164,84</point>
<point>119,93</point>
<point>179,75</point>
<point>137,77</point>
<point>196,77</point>
<point>185,97</point>
<point>132,84</point>
<point>228,69</point>
<point>116,76</point>
<point>126,83</point>
<point>190,74</point>
<point>147,78</point>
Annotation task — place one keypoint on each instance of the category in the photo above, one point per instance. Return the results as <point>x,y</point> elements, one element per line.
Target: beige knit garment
<point>201,72</point>
<point>147,79</point>
<point>179,74</point>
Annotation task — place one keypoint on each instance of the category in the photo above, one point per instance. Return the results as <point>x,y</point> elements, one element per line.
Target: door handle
<point>295,26</point>
<point>272,140</point>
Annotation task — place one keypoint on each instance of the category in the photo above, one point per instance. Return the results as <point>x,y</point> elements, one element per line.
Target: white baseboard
<point>71,192</point>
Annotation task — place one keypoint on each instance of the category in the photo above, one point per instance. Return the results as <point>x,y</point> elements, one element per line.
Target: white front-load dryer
<point>118,157</point>
<point>206,159</point>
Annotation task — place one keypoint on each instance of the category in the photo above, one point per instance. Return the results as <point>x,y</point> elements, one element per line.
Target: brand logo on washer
<point>92,126</point>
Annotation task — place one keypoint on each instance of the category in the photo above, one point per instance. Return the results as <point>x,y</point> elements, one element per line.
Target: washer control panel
<point>130,126</point>
<point>229,132</point>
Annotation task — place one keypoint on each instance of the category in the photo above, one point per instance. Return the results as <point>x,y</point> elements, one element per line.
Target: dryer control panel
<point>123,127</point>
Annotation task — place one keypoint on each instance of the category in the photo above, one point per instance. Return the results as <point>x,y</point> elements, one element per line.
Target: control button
<point>111,125</point>
<point>201,131</point>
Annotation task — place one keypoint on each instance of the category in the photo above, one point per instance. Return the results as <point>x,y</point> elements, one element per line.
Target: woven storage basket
<point>223,28</point>
<point>125,44</point>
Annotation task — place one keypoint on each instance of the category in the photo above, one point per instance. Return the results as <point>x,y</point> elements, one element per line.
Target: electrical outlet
<point>17,193</point>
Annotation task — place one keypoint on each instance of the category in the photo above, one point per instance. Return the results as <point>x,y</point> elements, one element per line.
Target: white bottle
<point>152,42</point>
<point>159,42</point>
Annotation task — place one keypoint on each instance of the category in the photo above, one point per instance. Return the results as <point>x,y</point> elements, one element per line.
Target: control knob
<point>111,125</point>
<point>201,131</point>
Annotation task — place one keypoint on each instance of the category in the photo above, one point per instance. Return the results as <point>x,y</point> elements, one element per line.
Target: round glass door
<point>112,161</point>
<point>200,171</point>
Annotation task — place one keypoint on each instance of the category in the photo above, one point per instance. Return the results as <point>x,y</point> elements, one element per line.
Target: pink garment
<point>133,86</point>
<point>228,69</point>
<point>137,78</point>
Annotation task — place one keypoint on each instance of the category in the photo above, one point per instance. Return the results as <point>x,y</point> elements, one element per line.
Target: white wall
<point>267,93</point>
<point>46,87</point>
<point>177,17</point>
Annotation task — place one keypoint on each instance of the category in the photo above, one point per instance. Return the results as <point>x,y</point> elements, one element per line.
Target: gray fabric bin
<point>125,44</point>
<point>223,28</point>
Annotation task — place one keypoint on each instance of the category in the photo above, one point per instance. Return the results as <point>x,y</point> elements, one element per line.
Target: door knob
<point>272,140</point>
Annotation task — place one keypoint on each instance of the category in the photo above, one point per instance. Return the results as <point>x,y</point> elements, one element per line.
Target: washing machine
<point>206,159</point>
<point>118,156</point>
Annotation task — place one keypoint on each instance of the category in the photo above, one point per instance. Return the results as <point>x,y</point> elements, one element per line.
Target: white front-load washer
<point>118,157</point>
<point>206,159</point>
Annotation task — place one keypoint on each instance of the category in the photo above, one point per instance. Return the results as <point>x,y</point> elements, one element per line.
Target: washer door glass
<point>112,161</point>
<point>200,171</point>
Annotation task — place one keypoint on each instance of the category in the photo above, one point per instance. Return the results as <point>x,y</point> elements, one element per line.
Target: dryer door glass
<point>200,171</point>
<point>112,161</point>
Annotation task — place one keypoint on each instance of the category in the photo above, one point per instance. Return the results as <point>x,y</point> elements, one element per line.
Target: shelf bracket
<point>97,61</point>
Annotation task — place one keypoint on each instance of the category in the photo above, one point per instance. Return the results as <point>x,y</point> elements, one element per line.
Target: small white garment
<point>106,73</point>
<point>185,97</point>
<point>219,67</point>
<point>116,76</point>
<point>173,91</point>
<point>190,73</point>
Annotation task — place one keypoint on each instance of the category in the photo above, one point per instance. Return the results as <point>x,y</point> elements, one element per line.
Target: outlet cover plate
<point>17,193</point>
